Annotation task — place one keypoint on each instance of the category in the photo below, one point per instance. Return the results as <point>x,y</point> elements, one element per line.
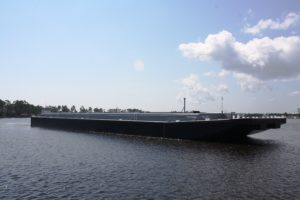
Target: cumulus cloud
<point>220,74</point>
<point>210,74</point>
<point>248,82</point>
<point>196,92</point>
<point>290,20</point>
<point>139,65</point>
<point>222,88</point>
<point>223,73</point>
<point>294,93</point>
<point>261,59</point>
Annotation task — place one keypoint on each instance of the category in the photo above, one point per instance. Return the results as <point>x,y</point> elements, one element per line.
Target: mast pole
<point>222,104</point>
<point>184,102</point>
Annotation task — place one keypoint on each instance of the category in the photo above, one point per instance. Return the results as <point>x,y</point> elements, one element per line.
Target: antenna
<point>222,104</point>
<point>184,102</point>
<point>184,107</point>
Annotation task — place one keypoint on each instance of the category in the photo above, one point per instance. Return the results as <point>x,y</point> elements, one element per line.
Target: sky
<point>151,54</point>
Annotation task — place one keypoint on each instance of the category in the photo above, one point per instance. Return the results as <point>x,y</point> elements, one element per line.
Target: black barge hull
<point>192,130</point>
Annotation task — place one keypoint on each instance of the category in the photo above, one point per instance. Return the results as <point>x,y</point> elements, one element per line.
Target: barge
<point>192,126</point>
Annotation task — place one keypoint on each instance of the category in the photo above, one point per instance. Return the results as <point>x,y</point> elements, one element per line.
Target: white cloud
<point>248,82</point>
<point>212,48</point>
<point>294,93</point>
<point>290,20</point>
<point>222,88</point>
<point>221,74</point>
<point>261,59</point>
<point>196,92</point>
<point>139,65</point>
<point>210,74</point>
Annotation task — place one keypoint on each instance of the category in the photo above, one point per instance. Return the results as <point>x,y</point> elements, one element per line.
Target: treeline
<point>21,108</point>
<point>82,109</point>
<point>285,114</point>
<point>18,108</point>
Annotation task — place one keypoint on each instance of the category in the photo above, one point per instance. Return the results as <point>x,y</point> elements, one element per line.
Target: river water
<point>37,163</point>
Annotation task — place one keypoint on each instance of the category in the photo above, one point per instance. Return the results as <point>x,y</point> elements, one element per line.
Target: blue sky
<point>151,54</point>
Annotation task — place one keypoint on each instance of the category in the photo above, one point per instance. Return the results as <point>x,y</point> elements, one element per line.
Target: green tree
<point>82,109</point>
<point>134,110</point>
<point>98,110</point>
<point>21,108</point>
<point>65,109</point>
<point>73,109</point>
<point>9,109</point>
<point>51,109</point>
<point>35,110</point>
<point>2,105</point>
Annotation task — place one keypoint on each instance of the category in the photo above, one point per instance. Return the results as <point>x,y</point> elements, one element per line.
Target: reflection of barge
<point>168,125</point>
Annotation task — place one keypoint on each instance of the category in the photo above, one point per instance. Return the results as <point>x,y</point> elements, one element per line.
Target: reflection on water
<point>41,164</point>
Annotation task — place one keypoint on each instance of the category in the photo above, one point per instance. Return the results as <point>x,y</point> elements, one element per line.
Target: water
<point>38,163</point>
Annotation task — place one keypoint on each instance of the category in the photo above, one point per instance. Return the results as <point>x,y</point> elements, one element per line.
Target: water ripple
<point>50,164</point>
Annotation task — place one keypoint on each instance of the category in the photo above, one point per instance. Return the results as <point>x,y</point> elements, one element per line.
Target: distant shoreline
<point>23,109</point>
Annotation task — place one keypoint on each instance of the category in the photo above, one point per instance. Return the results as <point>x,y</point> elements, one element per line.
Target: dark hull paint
<point>193,130</point>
